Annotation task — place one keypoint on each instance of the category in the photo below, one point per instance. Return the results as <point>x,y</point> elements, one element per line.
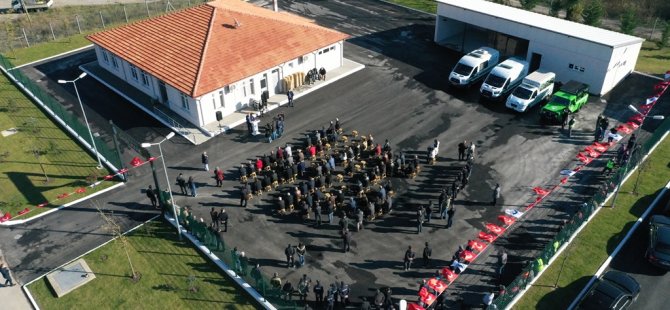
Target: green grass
<point>165,265</point>
<point>598,239</point>
<point>421,5</point>
<point>653,60</point>
<point>21,177</point>
<point>46,49</point>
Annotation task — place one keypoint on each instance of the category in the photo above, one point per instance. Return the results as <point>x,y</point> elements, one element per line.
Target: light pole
<point>74,82</point>
<point>167,179</point>
<point>633,149</point>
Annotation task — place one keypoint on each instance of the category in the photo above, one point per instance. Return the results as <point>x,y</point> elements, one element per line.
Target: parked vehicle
<point>474,66</point>
<point>534,88</point>
<point>613,290</point>
<point>504,78</point>
<point>658,252</point>
<point>17,6</point>
<point>573,96</point>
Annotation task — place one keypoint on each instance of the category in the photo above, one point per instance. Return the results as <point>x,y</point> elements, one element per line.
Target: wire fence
<point>582,215</point>
<point>69,119</point>
<point>63,22</point>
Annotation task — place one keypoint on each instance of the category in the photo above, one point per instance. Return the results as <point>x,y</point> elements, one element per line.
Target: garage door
<point>328,58</point>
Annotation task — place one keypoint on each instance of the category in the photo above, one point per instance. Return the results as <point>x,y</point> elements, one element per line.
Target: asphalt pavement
<point>402,95</point>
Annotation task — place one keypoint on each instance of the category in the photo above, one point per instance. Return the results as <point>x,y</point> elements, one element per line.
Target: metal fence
<point>63,22</point>
<point>243,266</point>
<point>69,119</point>
<point>582,215</point>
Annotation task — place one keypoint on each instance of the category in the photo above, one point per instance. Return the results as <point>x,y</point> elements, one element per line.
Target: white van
<point>474,66</point>
<point>503,78</point>
<point>535,87</point>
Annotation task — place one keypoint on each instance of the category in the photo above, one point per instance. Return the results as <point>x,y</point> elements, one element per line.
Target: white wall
<point>621,65</point>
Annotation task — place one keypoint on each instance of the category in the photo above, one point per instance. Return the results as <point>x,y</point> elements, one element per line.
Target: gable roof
<point>206,47</point>
<point>545,22</point>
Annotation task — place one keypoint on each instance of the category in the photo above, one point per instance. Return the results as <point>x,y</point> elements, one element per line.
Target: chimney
<point>275,6</point>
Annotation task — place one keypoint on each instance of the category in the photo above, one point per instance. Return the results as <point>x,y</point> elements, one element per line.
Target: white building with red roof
<point>216,56</point>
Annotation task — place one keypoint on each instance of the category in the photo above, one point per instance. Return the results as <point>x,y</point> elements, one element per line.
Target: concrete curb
<point>409,8</point>
<point>25,286</point>
<point>619,246</point>
<point>17,222</point>
<point>566,244</point>
<point>224,267</point>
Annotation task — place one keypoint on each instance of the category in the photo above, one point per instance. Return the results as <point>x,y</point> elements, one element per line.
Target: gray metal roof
<point>546,22</point>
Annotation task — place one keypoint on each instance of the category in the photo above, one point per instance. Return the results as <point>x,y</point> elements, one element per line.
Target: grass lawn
<point>421,5</point>
<point>652,59</point>
<point>597,240</point>
<point>21,176</point>
<point>46,49</point>
<point>165,265</point>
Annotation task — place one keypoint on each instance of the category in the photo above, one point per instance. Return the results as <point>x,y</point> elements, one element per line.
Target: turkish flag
<point>24,211</point>
<point>508,220</point>
<point>449,275</point>
<point>495,228</point>
<point>540,191</point>
<point>136,161</point>
<point>428,299</point>
<point>476,245</point>
<point>437,285</point>
<point>80,190</point>
<point>467,256</point>
<point>487,237</point>
<point>633,125</point>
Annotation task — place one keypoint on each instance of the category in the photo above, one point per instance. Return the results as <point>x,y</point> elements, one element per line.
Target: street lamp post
<point>167,179</point>
<point>633,149</point>
<point>74,83</point>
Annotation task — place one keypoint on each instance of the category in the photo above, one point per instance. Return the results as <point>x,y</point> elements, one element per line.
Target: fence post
<point>25,36</point>
<point>125,13</point>
<point>52,31</point>
<point>146,4</point>
<point>102,20</point>
<point>76,17</point>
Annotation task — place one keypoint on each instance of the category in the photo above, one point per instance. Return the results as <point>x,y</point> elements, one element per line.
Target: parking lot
<point>402,95</point>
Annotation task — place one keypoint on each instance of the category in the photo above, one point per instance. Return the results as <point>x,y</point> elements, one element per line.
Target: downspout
<point>275,5</point>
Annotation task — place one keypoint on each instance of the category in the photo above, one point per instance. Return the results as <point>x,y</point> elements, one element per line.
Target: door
<point>535,61</point>
<point>163,93</point>
<point>275,82</point>
<point>264,83</point>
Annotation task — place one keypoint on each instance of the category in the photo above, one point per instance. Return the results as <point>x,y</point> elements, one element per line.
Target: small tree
<point>665,35</point>
<point>593,13</point>
<point>573,10</point>
<point>555,7</point>
<point>528,4</point>
<point>115,229</point>
<point>629,20</point>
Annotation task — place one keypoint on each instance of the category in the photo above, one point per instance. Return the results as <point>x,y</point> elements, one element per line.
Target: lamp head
<point>62,81</point>
<point>83,74</point>
<point>146,145</point>
<point>170,135</point>
<point>634,109</point>
<point>658,117</point>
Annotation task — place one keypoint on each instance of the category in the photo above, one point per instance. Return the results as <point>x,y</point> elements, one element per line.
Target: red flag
<point>437,285</point>
<point>42,205</point>
<point>624,129</point>
<point>24,211</point>
<point>136,161</point>
<point>467,256</point>
<point>564,180</point>
<point>63,195</point>
<point>633,125</point>
<point>80,190</point>
<point>506,219</point>
<point>108,177</point>
<point>428,299</point>
<point>476,245</point>
<point>487,237</point>
<point>151,159</point>
<point>414,306</point>
<point>122,171</point>
<point>540,191</point>
<point>6,217</point>
<point>637,118</point>
<point>449,275</point>
<point>591,152</point>
<point>495,228</point>
<point>423,292</point>
<point>600,147</point>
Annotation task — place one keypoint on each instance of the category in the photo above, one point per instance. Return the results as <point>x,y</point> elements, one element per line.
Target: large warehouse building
<point>598,57</point>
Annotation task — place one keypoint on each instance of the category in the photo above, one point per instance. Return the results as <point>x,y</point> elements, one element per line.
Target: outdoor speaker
<point>219,116</point>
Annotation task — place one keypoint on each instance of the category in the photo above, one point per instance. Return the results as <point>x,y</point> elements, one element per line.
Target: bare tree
<point>113,226</point>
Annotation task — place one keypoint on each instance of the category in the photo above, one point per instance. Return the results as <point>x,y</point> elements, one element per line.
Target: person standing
<point>496,194</point>
<point>471,151</point>
<point>4,270</point>
<point>244,196</point>
<point>502,262</point>
<point>290,253</point>
<point>218,174</point>
<point>488,299</point>
<point>322,73</point>
<point>450,216</point>
<point>215,218</point>
<point>192,185</point>
<point>318,293</point>
<point>427,253</point>
<point>429,211</point>
<point>565,117</point>
<point>441,204</point>
<point>346,239</point>
<point>205,161</point>
<point>152,196</point>
<point>301,250</point>
<point>223,219</point>
<point>181,181</point>
<point>419,219</point>
<point>409,258</point>
<point>461,150</point>
<point>289,96</point>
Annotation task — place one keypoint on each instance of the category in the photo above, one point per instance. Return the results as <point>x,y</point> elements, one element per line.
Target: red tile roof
<point>200,49</point>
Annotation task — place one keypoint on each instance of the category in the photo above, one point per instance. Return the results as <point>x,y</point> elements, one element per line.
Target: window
<point>326,50</point>
<point>114,62</point>
<point>105,56</point>
<point>252,88</point>
<point>332,48</point>
<point>184,102</point>
<point>226,89</point>
<point>302,59</point>
<point>244,88</point>
<point>214,101</point>
<point>576,67</point>
<point>221,98</point>
<point>290,64</point>
<point>133,72</point>
<point>145,78</point>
